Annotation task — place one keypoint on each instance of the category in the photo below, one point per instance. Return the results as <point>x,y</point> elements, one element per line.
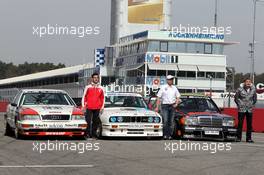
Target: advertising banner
<point>145,11</point>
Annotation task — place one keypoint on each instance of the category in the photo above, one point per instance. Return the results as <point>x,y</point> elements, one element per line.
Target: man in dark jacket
<point>245,99</point>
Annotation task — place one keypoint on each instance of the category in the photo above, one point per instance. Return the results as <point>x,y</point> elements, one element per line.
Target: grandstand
<point>68,79</point>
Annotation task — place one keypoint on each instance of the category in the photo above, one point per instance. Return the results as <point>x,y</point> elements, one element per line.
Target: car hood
<point>54,109</point>
<point>128,111</point>
<point>209,114</point>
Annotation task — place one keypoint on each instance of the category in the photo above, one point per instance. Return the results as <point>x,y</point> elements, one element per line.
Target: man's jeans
<point>241,116</point>
<point>92,119</point>
<point>168,115</point>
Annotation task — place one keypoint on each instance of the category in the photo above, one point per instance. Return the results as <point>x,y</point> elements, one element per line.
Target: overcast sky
<point>18,44</point>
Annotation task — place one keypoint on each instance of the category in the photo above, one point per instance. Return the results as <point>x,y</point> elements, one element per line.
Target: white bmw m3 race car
<point>127,115</point>
<point>38,112</point>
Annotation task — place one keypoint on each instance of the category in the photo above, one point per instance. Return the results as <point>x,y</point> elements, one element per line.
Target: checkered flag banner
<point>99,57</point>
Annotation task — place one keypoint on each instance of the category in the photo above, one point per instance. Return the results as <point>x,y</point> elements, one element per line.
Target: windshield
<point>46,99</point>
<point>124,101</point>
<point>197,105</point>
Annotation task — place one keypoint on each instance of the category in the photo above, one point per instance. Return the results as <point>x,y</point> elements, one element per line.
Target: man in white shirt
<point>169,97</point>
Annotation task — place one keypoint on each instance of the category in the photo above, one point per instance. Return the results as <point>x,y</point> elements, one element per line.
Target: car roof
<point>131,94</point>
<point>194,95</point>
<point>43,90</point>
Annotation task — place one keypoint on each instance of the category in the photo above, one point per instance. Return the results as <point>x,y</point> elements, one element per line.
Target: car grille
<point>137,119</point>
<point>55,117</point>
<point>135,131</point>
<point>210,121</point>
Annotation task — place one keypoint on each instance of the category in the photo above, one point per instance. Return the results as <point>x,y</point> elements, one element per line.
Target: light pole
<point>252,45</point>
<point>211,81</point>
<point>215,16</point>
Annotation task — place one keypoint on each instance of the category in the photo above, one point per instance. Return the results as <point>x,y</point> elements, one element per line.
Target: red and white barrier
<point>258,118</point>
<point>3,106</point>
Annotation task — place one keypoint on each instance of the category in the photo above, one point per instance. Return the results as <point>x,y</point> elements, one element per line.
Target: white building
<point>146,58</point>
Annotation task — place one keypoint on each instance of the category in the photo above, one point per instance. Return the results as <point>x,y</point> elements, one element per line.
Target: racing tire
<point>177,128</point>
<point>8,129</point>
<point>17,134</point>
<point>99,130</point>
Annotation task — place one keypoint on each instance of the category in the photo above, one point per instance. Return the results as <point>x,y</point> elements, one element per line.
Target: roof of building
<point>42,90</point>
<point>167,35</point>
<point>46,74</point>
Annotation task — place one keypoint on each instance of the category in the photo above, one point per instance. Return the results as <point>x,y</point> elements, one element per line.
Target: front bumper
<point>52,128</point>
<point>210,132</point>
<point>132,130</point>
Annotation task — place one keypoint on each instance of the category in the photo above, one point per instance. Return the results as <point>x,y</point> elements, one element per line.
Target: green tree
<point>8,70</point>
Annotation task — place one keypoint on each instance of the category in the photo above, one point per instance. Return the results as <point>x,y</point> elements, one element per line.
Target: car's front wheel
<point>178,132</point>
<point>17,133</point>
<point>8,129</point>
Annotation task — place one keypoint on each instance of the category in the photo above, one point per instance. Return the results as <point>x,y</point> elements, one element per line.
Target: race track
<point>128,157</point>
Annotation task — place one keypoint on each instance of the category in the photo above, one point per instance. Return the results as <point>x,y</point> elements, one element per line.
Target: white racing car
<point>127,115</point>
<point>38,112</point>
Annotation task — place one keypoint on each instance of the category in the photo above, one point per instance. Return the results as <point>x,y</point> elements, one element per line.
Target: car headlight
<point>112,119</point>
<point>30,117</point>
<point>120,119</point>
<point>191,121</point>
<point>228,122</point>
<point>156,120</point>
<point>150,119</point>
<point>78,117</point>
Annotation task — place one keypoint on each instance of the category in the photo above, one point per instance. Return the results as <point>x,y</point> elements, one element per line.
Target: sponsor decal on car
<point>40,125</point>
<point>52,108</point>
<point>54,125</point>
<point>71,125</point>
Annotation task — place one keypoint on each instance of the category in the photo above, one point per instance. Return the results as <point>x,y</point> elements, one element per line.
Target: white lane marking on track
<point>46,166</point>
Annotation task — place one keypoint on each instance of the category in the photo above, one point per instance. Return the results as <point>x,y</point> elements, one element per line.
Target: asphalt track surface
<point>128,156</point>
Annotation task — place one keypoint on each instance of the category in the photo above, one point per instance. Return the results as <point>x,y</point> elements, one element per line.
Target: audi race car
<point>197,116</point>
<point>127,115</point>
<point>38,112</point>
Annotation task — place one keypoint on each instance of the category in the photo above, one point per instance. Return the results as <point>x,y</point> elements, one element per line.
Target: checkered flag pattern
<point>99,57</point>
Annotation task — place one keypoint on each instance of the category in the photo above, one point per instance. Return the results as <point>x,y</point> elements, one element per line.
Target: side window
<point>211,106</point>
<point>16,99</point>
<point>163,46</point>
<point>208,48</point>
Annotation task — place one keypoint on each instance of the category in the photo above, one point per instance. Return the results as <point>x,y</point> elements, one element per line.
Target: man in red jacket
<point>93,103</point>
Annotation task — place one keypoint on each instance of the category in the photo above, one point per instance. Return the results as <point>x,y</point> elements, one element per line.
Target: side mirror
<point>14,104</point>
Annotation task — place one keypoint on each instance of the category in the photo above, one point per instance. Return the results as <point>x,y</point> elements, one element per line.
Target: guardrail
<point>258,119</point>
